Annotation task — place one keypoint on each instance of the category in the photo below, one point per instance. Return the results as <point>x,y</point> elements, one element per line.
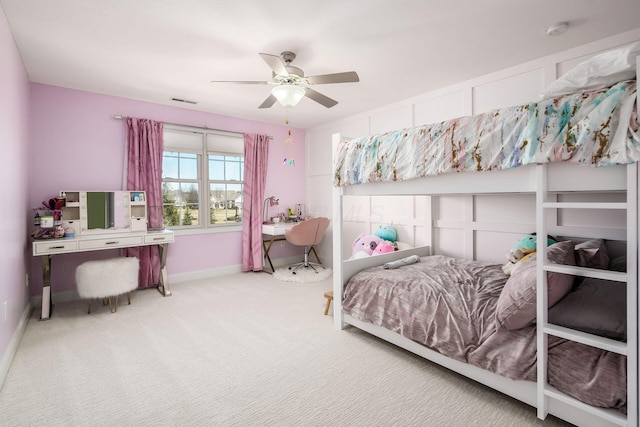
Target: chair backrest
<point>308,232</point>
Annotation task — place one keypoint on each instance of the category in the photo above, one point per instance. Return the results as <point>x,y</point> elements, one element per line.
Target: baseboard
<point>67,296</point>
<point>225,271</point>
<point>7,357</point>
<point>203,274</point>
<point>60,297</point>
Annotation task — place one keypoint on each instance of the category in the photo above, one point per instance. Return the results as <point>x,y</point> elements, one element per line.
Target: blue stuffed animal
<point>387,232</point>
<point>527,245</point>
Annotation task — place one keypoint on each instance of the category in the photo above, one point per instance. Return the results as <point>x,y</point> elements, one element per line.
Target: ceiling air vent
<point>184,100</point>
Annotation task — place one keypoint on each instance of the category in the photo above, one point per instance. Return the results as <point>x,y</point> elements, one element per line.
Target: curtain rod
<point>122,117</point>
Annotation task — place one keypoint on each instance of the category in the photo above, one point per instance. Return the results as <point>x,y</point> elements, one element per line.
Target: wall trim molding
<point>68,296</point>
<point>544,63</point>
<point>10,352</point>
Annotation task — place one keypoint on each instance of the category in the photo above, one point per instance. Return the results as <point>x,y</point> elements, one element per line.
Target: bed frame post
<point>632,293</point>
<point>338,275</point>
<point>541,289</point>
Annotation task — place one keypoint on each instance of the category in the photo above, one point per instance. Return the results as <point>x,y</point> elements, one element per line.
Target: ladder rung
<point>612,415</point>
<point>603,343</point>
<point>585,205</point>
<point>615,276</point>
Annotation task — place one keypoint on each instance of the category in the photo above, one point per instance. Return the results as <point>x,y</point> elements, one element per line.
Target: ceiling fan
<point>290,83</point>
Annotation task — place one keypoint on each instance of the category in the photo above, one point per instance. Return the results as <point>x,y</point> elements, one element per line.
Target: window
<point>225,188</point>
<point>202,178</point>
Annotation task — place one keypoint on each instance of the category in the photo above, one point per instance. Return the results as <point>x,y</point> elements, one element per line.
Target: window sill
<point>210,230</point>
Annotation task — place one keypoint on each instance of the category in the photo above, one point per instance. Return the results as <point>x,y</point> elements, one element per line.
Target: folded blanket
<point>404,261</point>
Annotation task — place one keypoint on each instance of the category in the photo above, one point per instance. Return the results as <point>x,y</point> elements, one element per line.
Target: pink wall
<point>78,145</point>
<point>14,176</point>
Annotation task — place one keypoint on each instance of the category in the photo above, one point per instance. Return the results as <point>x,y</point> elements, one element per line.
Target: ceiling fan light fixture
<point>288,95</point>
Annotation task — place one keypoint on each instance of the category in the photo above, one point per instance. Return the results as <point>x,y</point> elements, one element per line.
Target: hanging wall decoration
<point>288,149</point>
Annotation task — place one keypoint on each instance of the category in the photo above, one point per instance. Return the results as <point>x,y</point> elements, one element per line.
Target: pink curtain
<point>256,156</point>
<point>144,172</point>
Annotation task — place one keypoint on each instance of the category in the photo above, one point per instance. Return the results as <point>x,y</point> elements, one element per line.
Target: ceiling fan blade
<point>242,82</point>
<point>348,77</point>
<point>268,102</point>
<point>319,98</point>
<point>275,63</point>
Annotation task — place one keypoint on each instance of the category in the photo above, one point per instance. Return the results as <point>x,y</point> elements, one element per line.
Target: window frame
<point>226,182</point>
<point>204,194</point>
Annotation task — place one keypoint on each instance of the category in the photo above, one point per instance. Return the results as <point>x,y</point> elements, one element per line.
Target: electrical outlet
<point>6,311</point>
<point>26,280</point>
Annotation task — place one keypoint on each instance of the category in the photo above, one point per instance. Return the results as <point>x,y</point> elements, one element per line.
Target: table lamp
<point>269,201</point>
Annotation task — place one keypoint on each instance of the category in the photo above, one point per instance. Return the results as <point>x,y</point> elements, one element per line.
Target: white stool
<point>107,278</point>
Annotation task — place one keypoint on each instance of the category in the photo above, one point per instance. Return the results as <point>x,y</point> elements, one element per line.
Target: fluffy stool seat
<point>107,278</point>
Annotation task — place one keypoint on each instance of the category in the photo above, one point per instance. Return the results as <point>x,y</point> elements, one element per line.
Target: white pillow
<point>600,71</point>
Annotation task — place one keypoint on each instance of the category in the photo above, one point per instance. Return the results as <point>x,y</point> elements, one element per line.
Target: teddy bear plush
<point>364,245</point>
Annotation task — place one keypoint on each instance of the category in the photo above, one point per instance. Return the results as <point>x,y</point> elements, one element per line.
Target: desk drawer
<point>54,246</point>
<point>159,238</point>
<point>113,242</point>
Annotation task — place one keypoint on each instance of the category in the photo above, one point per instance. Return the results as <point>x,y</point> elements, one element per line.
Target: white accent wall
<point>474,227</point>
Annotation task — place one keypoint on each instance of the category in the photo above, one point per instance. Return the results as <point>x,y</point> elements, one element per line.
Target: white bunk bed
<point>546,181</point>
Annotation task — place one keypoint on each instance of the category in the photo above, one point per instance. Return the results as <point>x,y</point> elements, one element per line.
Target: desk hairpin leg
<point>163,285</point>
<point>267,248</point>
<point>47,305</point>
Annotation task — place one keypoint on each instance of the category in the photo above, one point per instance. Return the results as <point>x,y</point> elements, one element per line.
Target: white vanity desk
<point>273,233</point>
<point>134,233</point>
<point>46,249</point>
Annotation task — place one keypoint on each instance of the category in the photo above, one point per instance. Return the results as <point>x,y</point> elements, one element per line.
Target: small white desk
<point>273,233</point>
<point>46,249</point>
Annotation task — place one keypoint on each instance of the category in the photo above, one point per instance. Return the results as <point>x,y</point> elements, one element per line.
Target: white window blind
<point>183,141</point>
<point>225,143</point>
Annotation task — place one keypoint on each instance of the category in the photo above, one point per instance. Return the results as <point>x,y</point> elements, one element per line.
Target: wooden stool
<point>329,296</point>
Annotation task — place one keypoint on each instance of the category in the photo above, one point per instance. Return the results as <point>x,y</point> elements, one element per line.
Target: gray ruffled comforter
<point>448,304</point>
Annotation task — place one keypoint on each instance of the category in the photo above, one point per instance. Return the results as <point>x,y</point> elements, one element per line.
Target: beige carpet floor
<point>241,350</point>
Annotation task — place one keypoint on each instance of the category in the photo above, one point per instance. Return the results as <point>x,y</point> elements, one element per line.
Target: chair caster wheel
<point>294,272</point>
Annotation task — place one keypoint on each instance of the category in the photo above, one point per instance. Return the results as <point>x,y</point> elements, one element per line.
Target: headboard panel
<point>485,227</point>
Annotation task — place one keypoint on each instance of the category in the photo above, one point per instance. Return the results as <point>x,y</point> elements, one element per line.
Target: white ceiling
<point>155,50</point>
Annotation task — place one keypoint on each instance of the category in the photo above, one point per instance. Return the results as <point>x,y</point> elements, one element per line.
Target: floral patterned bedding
<point>597,128</point>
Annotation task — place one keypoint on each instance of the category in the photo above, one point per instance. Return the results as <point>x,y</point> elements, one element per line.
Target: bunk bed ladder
<point>545,202</point>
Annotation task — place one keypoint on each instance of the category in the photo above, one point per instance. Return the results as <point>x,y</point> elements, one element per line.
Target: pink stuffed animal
<point>383,248</point>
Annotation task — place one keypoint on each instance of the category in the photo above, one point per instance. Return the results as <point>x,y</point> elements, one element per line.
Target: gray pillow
<point>592,254</point>
<point>597,307</point>
<point>516,307</point>
<point>618,264</point>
